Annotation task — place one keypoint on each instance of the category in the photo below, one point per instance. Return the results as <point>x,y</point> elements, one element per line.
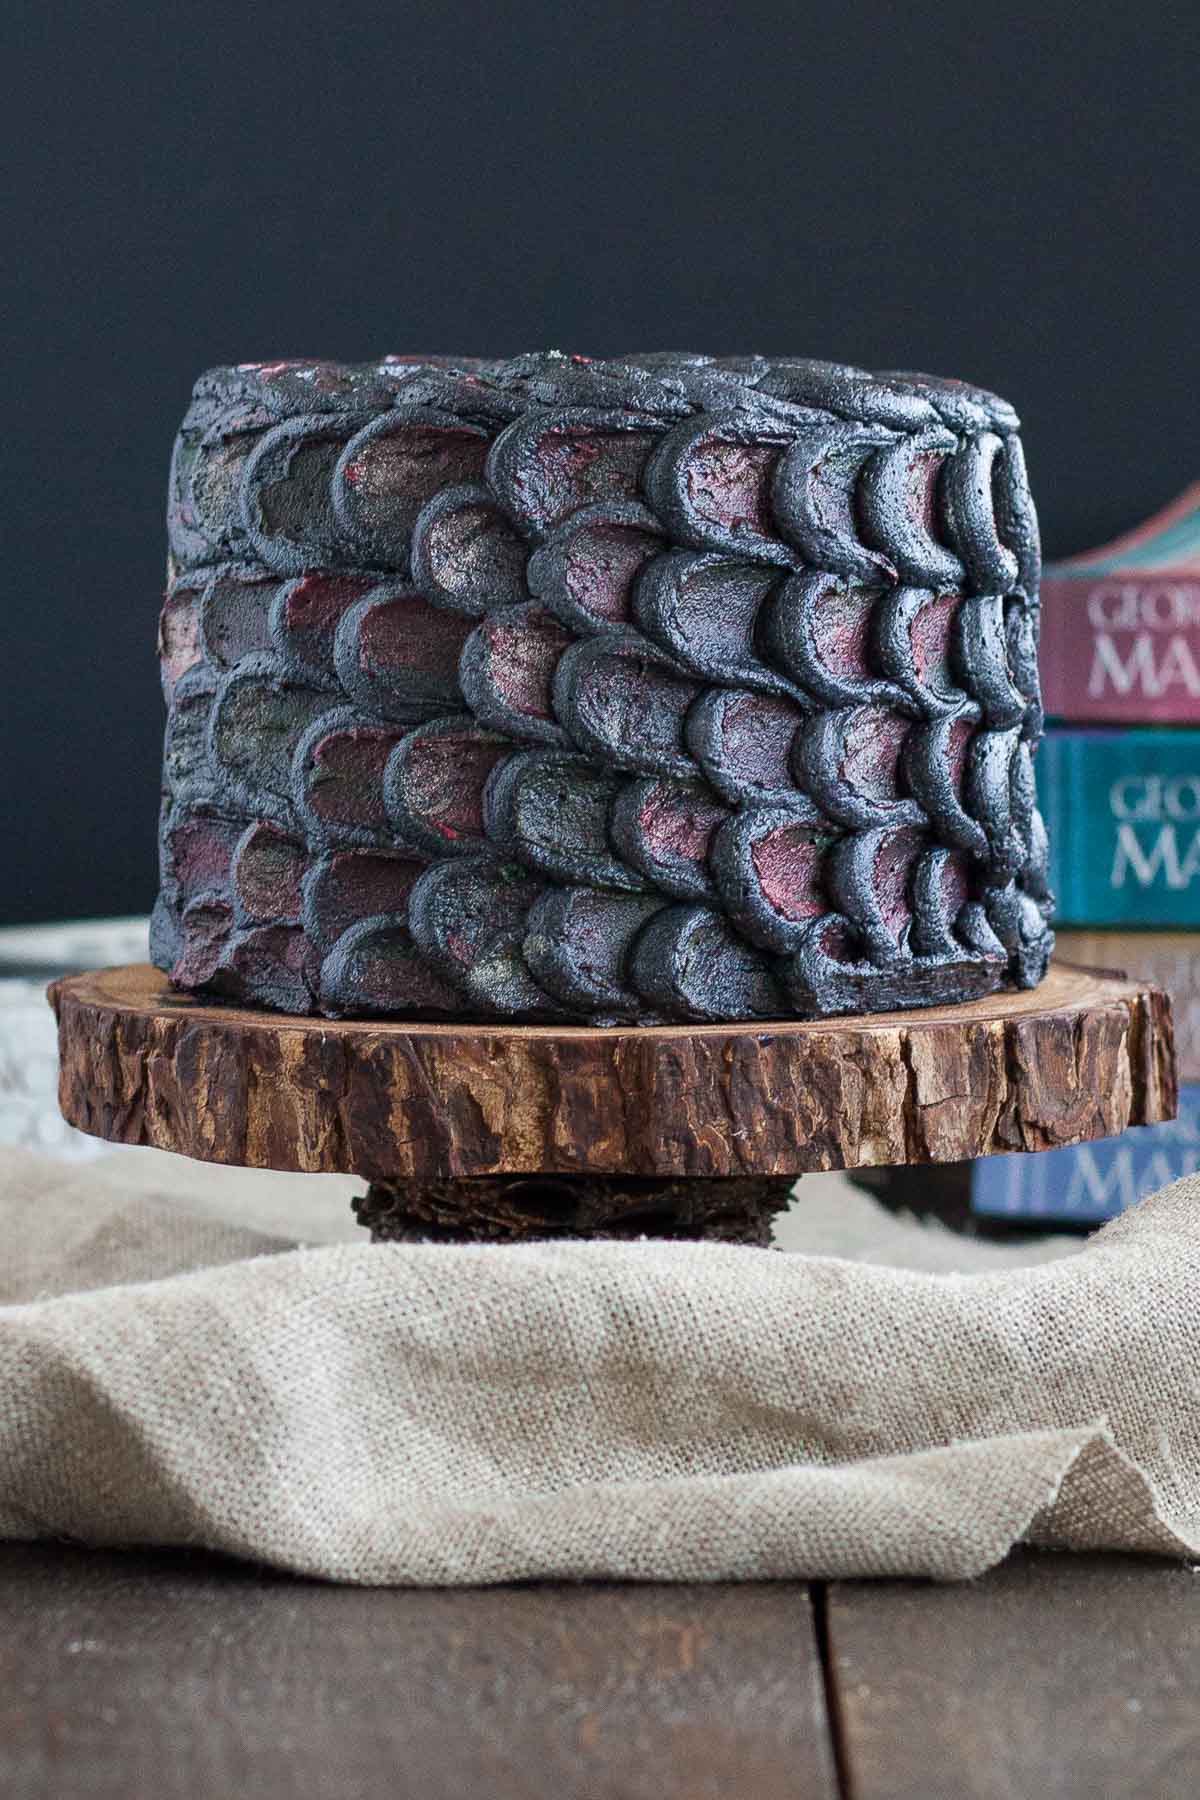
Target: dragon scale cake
<point>666,688</point>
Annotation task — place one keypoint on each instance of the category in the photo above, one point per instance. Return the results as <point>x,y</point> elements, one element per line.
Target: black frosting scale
<point>673,687</point>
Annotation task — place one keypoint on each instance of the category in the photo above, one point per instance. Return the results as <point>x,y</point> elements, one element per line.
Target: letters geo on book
<point>1168,808</point>
<point>1123,814</point>
<point>1121,625</point>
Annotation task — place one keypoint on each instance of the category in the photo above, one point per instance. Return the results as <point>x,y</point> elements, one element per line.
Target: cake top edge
<point>665,384</point>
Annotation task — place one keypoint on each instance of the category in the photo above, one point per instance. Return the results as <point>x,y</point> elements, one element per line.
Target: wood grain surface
<point>189,1679</point>
<point>1082,1056</point>
<point>1072,1677</point>
<point>186,1678</point>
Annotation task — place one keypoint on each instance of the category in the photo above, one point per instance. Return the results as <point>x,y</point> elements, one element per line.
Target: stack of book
<point>1119,784</point>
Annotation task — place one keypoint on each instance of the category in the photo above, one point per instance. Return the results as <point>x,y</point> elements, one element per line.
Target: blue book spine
<point>1122,812</point>
<point>1091,1182</point>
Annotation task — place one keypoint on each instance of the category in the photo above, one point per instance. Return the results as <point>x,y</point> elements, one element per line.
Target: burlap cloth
<point>174,1370</point>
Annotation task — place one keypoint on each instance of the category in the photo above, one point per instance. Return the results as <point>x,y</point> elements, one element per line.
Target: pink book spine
<point>1122,648</point>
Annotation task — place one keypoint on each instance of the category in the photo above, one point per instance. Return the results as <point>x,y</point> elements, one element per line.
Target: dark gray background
<point>1007,195</point>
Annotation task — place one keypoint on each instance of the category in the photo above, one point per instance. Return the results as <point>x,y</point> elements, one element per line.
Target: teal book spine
<point>1122,812</point>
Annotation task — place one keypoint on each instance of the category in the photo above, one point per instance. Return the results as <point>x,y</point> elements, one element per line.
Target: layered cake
<point>667,688</point>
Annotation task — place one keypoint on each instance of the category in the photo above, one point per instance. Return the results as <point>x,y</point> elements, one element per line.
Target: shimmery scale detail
<point>669,687</point>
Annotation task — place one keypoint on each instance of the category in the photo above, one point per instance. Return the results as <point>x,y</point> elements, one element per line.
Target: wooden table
<point>161,1675</point>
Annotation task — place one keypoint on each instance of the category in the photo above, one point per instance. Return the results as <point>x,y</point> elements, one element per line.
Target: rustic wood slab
<point>1070,1676</point>
<point>186,1678</point>
<point>1080,1057</point>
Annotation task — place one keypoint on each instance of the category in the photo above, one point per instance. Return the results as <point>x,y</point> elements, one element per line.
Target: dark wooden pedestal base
<point>511,1208</point>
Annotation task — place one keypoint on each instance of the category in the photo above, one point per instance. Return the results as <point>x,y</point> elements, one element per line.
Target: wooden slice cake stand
<point>504,1132</point>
